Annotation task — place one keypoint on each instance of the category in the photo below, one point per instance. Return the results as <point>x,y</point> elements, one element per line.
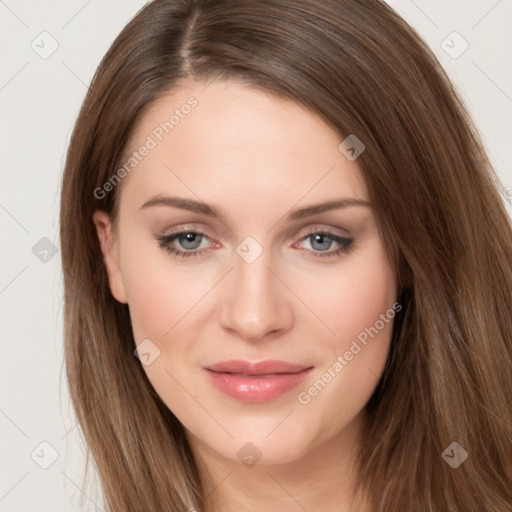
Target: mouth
<point>256,382</point>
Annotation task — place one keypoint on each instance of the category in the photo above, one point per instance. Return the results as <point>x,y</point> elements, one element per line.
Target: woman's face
<point>268,279</point>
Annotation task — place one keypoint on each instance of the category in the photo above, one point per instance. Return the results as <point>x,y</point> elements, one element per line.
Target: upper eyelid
<point>296,232</point>
<point>310,231</point>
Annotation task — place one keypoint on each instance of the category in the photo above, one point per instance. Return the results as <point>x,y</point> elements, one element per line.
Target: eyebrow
<point>210,210</point>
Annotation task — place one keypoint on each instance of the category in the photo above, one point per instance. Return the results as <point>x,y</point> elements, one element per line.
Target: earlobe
<point>108,245</point>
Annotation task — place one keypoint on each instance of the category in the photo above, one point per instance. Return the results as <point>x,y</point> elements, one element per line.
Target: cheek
<point>360,312</point>
<point>161,301</point>
<point>159,292</point>
<point>353,300</point>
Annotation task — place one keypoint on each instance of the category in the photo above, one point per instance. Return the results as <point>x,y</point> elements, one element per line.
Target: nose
<point>256,303</point>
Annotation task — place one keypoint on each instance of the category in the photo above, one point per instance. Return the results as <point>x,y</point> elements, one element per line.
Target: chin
<point>271,449</point>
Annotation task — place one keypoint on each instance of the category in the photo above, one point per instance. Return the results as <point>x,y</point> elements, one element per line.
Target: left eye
<point>323,241</point>
<point>190,241</point>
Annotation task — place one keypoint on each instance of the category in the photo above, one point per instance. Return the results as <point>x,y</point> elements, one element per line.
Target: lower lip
<point>255,389</point>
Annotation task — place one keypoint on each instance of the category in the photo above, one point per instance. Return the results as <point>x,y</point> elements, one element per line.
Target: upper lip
<point>256,368</point>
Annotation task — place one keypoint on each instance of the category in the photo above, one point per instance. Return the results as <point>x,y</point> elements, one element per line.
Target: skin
<point>256,158</point>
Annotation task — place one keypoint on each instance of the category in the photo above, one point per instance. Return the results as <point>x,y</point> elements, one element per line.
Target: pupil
<point>190,238</point>
<point>319,238</point>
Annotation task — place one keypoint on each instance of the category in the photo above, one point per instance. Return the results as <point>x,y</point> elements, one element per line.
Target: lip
<point>256,381</point>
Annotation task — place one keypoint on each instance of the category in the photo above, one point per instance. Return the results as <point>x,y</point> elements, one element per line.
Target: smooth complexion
<point>255,159</point>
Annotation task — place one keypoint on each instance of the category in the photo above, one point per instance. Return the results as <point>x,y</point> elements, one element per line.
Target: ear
<point>110,252</point>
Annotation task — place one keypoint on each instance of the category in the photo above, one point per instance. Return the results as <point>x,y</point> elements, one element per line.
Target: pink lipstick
<point>256,381</point>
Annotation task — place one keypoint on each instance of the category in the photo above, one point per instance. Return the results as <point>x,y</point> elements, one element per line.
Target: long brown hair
<point>364,71</point>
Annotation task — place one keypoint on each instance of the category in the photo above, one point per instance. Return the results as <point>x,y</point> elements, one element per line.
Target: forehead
<point>228,139</point>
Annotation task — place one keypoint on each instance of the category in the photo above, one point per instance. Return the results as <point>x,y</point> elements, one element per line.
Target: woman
<point>219,355</point>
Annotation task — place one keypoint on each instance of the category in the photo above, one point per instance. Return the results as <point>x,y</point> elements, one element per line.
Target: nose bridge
<point>257,302</point>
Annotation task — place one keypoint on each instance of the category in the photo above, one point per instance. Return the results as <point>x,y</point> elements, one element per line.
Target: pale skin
<point>256,158</point>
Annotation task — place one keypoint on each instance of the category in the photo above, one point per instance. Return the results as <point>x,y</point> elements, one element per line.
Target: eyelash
<point>165,242</point>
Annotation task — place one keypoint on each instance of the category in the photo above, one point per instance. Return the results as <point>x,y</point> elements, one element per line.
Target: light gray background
<point>39,99</point>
